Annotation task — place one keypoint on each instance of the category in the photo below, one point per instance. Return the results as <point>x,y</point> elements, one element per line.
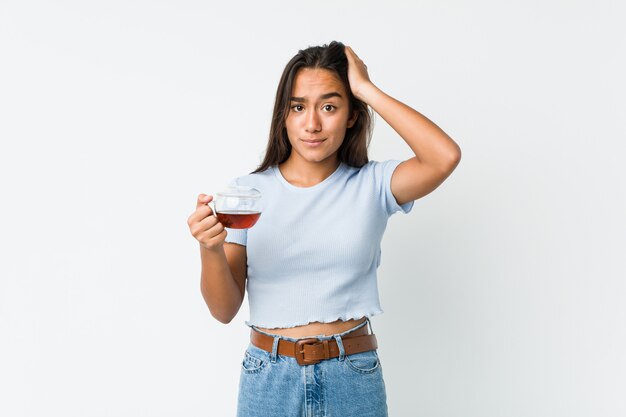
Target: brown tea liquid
<point>238,219</point>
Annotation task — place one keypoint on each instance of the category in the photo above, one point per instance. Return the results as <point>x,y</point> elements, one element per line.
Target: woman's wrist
<point>367,92</point>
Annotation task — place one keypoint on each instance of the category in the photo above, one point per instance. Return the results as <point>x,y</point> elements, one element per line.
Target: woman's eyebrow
<point>322,97</point>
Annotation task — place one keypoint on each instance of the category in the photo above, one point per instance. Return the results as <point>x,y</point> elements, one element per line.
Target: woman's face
<point>318,116</point>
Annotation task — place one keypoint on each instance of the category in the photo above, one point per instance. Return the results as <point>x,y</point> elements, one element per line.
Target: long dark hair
<point>332,57</point>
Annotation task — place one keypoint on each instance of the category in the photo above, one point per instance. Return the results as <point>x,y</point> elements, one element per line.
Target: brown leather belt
<point>310,351</point>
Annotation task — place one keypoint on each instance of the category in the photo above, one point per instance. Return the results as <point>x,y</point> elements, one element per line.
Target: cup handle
<point>212,205</point>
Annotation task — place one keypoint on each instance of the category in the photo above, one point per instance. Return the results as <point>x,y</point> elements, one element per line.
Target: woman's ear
<point>352,120</point>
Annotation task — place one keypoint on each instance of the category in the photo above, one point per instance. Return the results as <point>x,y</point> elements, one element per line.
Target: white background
<point>503,290</point>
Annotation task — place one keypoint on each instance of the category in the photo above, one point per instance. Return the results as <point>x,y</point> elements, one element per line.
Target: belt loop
<point>342,352</point>
<point>369,322</point>
<point>274,352</point>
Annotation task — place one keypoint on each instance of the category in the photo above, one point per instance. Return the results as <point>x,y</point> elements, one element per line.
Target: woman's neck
<point>307,174</point>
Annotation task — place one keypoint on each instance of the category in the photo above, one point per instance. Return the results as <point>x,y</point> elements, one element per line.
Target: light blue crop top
<point>313,254</point>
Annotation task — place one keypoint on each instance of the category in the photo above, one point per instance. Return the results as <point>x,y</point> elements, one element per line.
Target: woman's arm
<point>224,265</point>
<point>436,154</point>
<point>223,279</point>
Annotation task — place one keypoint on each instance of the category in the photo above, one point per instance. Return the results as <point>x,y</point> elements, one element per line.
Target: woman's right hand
<point>204,226</point>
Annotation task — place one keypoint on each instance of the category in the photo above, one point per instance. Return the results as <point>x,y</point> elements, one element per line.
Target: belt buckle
<point>299,353</point>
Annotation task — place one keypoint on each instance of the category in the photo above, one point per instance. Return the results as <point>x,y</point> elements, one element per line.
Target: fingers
<point>351,52</point>
<point>207,229</point>
<point>215,241</point>
<point>204,227</point>
<point>204,199</point>
<point>203,210</point>
<point>212,234</point>
<point>208,222</point>
<point>353,56</point>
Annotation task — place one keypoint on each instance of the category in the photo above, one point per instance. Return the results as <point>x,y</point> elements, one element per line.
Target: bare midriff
<point>316,328</point>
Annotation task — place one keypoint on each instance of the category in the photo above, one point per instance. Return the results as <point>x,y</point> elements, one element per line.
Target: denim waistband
<point>321,336</point>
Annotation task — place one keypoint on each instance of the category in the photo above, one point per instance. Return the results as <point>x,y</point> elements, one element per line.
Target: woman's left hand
<point>357,73</point>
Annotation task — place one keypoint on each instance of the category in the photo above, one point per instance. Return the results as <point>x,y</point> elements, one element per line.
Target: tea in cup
<point>238,207</point>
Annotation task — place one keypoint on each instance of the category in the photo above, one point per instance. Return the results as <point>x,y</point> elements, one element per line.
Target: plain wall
<point>502,290</point>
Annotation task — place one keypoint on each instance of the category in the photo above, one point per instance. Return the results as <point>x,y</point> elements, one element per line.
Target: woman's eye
<point>298,108</point>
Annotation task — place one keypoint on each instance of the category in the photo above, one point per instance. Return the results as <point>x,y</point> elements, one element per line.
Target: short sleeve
<point>239,236</point>
<point>384,171</point>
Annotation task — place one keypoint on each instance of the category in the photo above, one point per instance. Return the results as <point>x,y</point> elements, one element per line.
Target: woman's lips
<point>313,142</point>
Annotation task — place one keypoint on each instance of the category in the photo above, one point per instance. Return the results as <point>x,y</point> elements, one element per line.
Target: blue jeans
<point>273,385</point>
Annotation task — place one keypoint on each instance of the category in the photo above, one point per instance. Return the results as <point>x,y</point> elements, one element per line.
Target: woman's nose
<point>313,123</point>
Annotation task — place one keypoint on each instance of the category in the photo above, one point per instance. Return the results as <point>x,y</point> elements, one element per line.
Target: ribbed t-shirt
<point>313,253</point>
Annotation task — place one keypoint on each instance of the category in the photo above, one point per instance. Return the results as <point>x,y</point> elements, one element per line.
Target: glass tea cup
<point>238,206</point>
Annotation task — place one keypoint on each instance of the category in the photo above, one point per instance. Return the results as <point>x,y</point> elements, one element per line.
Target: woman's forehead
<point>310,83</point>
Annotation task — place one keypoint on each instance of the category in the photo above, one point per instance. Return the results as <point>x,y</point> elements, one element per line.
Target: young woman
<point>310,261</point>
